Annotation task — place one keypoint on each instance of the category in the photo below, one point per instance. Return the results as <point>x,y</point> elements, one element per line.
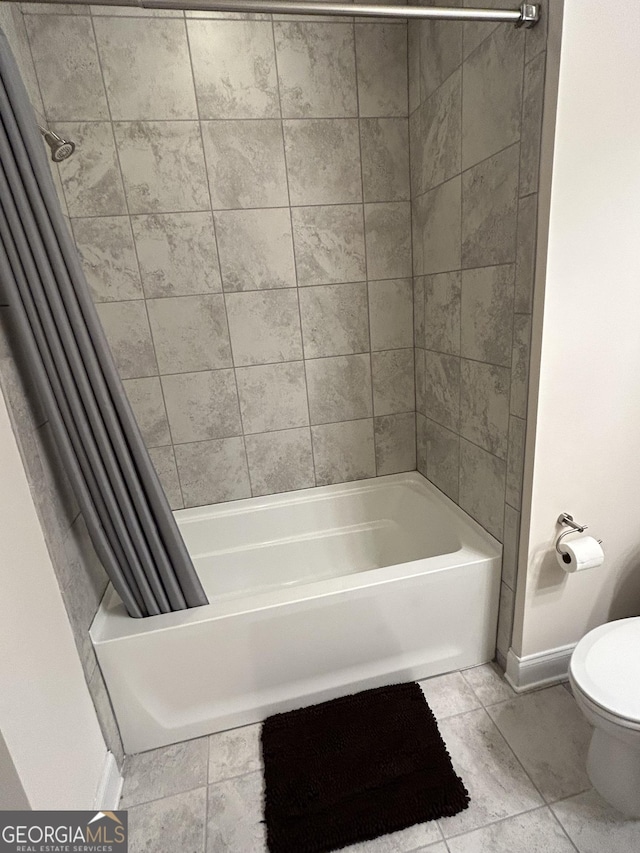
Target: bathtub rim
<point>112,623</point>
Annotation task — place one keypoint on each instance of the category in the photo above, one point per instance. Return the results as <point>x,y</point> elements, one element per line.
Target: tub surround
<point>240,200</point>
<point>475,102</point>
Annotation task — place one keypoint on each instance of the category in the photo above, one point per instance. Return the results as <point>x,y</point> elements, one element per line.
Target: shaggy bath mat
<point>355,768</point>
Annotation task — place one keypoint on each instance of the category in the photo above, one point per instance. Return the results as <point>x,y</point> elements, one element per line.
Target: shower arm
<point>527,15</point>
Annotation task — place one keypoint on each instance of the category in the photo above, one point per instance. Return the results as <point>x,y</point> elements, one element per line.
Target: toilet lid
<point>606,667</point>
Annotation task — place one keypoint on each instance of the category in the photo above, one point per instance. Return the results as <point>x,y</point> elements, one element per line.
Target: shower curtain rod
<point>528,14</point>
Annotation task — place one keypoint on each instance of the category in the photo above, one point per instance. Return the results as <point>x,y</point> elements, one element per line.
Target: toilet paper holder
<point>565,518</point>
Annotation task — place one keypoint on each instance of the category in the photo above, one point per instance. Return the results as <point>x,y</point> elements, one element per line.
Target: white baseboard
<point>539,670</point>
<point>110,785</point>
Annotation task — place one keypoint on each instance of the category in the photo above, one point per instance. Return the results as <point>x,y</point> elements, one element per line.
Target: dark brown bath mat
<point>355,768</point>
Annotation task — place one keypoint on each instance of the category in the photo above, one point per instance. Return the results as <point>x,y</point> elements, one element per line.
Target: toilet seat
<point>605,667</point>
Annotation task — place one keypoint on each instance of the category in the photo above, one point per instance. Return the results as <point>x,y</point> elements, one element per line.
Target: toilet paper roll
<point>581,553</point>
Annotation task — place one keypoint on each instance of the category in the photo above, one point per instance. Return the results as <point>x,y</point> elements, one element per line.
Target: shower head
<point>60,148</point>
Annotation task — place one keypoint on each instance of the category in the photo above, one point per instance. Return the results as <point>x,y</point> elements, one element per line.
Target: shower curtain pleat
<point>126,511</point>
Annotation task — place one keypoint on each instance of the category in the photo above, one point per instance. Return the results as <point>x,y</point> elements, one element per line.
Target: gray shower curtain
<point>124,506</point>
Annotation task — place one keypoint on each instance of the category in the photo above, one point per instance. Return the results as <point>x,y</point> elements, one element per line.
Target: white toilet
<point>605,677</point>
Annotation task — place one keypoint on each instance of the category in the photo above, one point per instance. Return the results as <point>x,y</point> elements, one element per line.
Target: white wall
<point>587,432</point>
<point>46,714</point>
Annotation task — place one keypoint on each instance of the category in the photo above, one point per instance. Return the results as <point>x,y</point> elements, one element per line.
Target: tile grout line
<point>470,169</point>
<point>264,290</point>
<point>463,66</point>
<point>364,237</point>
<point>413,301</point>
<point>222,210</point>
<point>138,265</point>
<point>509,617</point>
<point>285,429</point>
<point>295,258</point>
<point>217,246</point>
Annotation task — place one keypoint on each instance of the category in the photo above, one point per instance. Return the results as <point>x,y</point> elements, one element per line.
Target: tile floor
<point>521,757</point>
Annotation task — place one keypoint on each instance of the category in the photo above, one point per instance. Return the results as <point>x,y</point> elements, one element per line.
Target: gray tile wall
<point>240,198</point>
<point>80,576</point>
<point>247,234</point>
<point>475,100</point>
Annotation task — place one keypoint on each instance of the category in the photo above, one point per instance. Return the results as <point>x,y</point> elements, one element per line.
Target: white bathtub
<point>313,594</point>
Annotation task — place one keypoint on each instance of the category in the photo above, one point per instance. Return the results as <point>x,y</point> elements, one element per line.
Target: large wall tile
<point>127,329</point>
<point>421,444</point>
<point>482,487</point>
<point>418,222</point>
<point>393,384</point>
<point>381,51</point>
<point>246,166</point>
<point>234,69</point>
<point>487,314</point>
<point>505,619</point>
<point>335,319</point>
<point>510,547</point>
<point>323,161</point>
<point>104,712</point>
<point>489,208</point>
<point>190,333</point>
<point>329,243</point>
<point>344,451</point>
<point>202,405</point>
<point>385,159</point>
<point>316,69</point>
<point>484,405</point>
<point>147,402</point>
<point>413,62</point>
<point>256,249</point>
<point>13,24</point>
<point>440,134</point>
<point>91,178</point>
<point>440,53</point>
<point>420,380</point>
<point>388,238</point>
<point>520,364</point>
<point>162,166</point>
<point>264,326</point>
<point>280,461</point>
<point>391,314</point>
<point>515,462</point>
<point>492,98</point>
<point>213,471</point>
<point>146,69</point>
<point>66,61</point>
<point>442,388</point>
<point>442,299</point>
<point>526,253</point>
<point>418,311</point>
<point>339,388</point>
<point>416,151</point>
<point>395,440</point>
<point>273,396</point>
<point>82,581</point>
<point>164,461</point>
<point>443,458</point>
<point>442,228</point>
<point>475,32</point>
<point>177,253</point>
<point>108,256</point>
<point>531,124</point>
